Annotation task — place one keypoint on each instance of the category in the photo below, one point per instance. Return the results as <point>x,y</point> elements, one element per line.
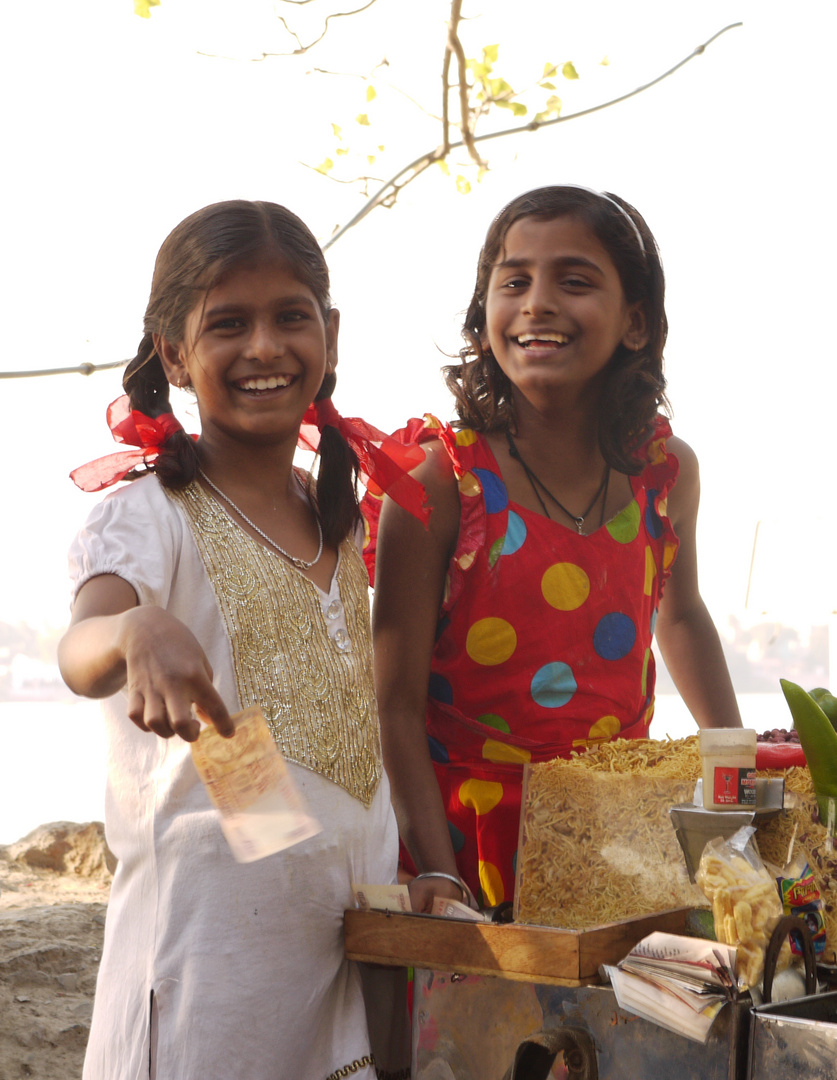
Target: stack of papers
<point>678,982</point>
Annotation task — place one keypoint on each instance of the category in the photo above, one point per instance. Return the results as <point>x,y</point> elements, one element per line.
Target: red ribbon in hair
<point>385,463</point>
<point>133,428</point>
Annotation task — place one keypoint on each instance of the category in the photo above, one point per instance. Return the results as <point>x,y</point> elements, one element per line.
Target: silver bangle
<point>447,877</point>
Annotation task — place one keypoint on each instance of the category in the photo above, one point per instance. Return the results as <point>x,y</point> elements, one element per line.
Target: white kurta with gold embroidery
<point>245,962</point>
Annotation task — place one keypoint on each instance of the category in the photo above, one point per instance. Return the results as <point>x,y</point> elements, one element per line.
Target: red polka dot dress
<point>543,644</point>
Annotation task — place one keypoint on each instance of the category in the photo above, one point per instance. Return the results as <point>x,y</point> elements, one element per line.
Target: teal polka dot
<point>553,685</point>
<point>515,534</point>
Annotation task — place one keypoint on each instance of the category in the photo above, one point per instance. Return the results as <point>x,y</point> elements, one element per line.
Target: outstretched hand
<point>167,672</point>
<point>115,643</point>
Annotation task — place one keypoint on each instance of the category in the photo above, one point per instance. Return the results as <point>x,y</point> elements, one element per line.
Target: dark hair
<point>634,389</point>
<point>192,259</point>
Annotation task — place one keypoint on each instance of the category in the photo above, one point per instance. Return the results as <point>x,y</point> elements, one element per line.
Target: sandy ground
<point>54,886</point>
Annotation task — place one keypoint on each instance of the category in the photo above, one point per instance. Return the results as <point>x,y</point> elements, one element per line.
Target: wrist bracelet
<point>447,877</point>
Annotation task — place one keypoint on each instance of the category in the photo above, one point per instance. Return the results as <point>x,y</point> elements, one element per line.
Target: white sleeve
<point>135,533</point>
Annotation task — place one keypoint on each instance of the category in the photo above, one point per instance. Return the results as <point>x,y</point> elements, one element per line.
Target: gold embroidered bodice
<point>317,692</point>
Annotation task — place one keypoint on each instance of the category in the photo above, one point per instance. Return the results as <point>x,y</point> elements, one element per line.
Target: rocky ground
<point>54,886</point>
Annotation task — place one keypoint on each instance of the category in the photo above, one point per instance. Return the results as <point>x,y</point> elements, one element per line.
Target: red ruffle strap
<point>133,428</point>
<point>385,462</point>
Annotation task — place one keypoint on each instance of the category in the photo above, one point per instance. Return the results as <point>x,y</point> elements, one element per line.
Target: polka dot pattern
<point>515,536</point>
<point>614,636</point>
<point>553,685</point>
<point>491,641</point>
<point>544,645</point>
<point>481,796</point>
<point>565,586</point>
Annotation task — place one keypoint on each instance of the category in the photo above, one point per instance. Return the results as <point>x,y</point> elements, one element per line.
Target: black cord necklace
<point>538,486</point>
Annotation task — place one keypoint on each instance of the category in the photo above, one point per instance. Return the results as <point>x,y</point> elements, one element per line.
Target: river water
<point>52,755</point>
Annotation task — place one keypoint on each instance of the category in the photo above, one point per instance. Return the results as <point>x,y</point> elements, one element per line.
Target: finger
<point>156,716</point>
<point>136,710</point>
<point>181,717</point>
<point>213,711</point>
<point>187,727</point>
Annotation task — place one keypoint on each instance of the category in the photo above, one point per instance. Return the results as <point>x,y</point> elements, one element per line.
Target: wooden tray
<point>524,953</point>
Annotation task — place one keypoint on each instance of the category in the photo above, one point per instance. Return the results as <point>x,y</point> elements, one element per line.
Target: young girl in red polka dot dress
<point>518,627</point>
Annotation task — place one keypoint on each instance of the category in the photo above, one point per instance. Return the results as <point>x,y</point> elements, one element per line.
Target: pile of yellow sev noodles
<point>597,843</point>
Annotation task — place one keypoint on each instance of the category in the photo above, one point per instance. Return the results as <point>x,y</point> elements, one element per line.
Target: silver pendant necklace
<point>301,564</point>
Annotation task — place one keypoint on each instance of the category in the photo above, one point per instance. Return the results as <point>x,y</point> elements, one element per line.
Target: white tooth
<point>560,339</point>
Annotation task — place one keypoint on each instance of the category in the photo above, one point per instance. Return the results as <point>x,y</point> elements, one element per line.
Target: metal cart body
<point>467,1027</point>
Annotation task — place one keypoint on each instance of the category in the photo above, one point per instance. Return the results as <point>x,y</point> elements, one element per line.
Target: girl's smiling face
<point>255,350</point>
<point>555,309</point>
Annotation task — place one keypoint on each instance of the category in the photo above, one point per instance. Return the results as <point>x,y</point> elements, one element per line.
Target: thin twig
<point>82,369</point>
<point>300,47</point>
<point>381,197</point>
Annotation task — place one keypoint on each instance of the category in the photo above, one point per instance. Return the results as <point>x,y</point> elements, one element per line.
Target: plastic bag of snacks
<point>745,902</point>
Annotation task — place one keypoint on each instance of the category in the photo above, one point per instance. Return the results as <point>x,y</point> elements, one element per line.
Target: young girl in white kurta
<point>222,579</point>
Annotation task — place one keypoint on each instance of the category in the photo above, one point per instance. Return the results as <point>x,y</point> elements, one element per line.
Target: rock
<point>64,847</point>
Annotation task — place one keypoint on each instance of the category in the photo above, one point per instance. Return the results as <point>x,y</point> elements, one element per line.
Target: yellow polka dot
<point>565,586</point>
<point>650,570</point>
<point>469,485</point>
<point>491,641</point>
<point>493,750</point>
<point>466,437</point>
<point>465,561</point>
<point>492,884</point>
<point>662,507</point>
<point>480,795</point>
<point>645,664</point>
<point>431,423</point>
<point>669,551</point>
<point>605,728</point>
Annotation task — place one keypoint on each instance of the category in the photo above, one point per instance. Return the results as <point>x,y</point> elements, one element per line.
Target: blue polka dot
<point>437,751</point>
<point>553,685</point>
<point>439,689</point>
<point>457,838</point>
<point>653,621</point>
<point>614,637</point>
<point>493,491</point>
<point>653,525</point>
<point>515,534</point>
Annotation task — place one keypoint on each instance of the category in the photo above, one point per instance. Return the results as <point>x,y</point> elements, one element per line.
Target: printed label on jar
<point>734,787</point>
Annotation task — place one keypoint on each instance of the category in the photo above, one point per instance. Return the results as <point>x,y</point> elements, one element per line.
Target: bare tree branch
<point>385,195</point>
<point>389,191</point>
<point>300,49</point>
<point>466,120</point>
<point>82,369</point>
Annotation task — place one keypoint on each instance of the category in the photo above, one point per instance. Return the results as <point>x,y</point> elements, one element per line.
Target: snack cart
<point>480,990</point>
<point>487,995</point>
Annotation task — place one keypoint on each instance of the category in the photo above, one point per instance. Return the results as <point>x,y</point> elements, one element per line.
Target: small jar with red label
<point>729,768</point>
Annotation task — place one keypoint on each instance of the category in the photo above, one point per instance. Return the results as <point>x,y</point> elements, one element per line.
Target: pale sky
<point>116,128</point>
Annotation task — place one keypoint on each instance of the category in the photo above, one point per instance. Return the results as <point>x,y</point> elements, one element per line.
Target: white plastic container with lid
<point>729,768</point>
